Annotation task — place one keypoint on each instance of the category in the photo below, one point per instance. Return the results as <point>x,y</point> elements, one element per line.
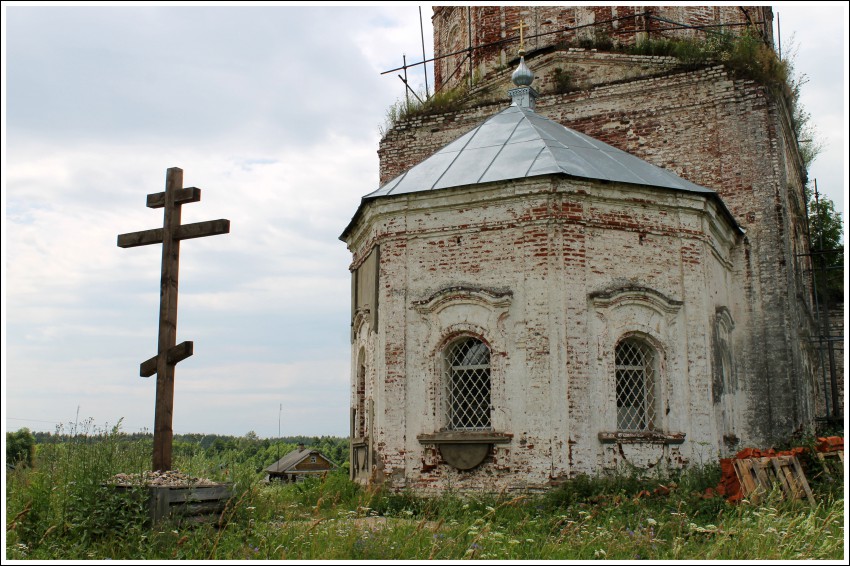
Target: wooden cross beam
<point>169,353</point>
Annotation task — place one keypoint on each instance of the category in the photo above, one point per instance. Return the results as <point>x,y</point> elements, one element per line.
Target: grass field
<point>59,509</point>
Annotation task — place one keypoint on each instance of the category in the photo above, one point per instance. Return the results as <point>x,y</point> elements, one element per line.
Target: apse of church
<point>561,283</point>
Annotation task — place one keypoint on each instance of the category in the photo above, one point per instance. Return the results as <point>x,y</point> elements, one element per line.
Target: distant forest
<point>249,448</point>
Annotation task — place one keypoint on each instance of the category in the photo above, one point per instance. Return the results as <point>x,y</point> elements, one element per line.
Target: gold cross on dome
<point>519,27</point>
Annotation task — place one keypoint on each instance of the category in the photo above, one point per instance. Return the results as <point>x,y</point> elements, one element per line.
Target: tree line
<point>22,445</point>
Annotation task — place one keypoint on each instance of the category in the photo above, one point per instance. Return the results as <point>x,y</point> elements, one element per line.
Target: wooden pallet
<point>824,456</point>
<point>759,476</point>
<point>828,460</point>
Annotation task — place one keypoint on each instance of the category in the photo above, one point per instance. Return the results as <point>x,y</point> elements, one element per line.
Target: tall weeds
<point>620,517</point>
<point>439,102</point>
<point>64,496</point>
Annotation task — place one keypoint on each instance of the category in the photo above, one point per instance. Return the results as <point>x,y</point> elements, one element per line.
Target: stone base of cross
<point>169,353</point>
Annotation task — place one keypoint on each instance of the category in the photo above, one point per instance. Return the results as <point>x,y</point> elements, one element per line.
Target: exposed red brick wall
<point>494,30</point>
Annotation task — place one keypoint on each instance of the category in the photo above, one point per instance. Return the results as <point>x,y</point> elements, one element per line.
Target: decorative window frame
<point>725,378</point>
<point>365,355</point>
<point>453,313</point>
<point>634,312</point>
<point>462,294</point>
<point>360,424</point>
<point>724,384</point>
<point>636,295</point>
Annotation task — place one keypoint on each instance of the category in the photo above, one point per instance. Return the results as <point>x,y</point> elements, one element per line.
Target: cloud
<point>273,113</point>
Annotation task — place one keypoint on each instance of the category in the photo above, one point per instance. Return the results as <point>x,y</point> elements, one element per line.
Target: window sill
<point>464,449</point>
<point>642,437</point>
<point>465,437</point>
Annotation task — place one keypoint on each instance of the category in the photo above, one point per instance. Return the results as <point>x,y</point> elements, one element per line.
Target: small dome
<point>523,75</point>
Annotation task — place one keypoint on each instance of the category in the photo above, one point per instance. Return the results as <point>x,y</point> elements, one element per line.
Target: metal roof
<point>517,143</point>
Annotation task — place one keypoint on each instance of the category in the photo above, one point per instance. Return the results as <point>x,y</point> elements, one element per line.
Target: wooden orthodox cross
<point>169,353</point>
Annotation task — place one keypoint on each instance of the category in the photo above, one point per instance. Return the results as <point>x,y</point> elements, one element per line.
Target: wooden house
<point>299,464</point>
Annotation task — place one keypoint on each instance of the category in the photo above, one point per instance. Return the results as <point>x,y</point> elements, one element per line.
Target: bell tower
<point>473,41</point>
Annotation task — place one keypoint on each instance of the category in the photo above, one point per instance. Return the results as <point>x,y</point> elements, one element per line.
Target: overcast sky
<point>273,111</point>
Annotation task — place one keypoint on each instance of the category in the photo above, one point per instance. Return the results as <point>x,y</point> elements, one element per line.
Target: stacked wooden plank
<point>177,495</point>
<point>830,453</point>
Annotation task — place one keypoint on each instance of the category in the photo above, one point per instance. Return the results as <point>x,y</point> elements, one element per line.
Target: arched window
<point>468,384</point>
<point>360,395</point>
<point>636,374</point>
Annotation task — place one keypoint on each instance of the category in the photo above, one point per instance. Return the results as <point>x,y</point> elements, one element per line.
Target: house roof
<point>293,459</point>
<point>518,143</point>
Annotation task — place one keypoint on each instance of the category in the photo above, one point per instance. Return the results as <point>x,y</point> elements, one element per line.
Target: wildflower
<point>513,541</point>
<point>490,509</point>
<point>599,553</point>
<point>650,521</point>
<point>529,540</point>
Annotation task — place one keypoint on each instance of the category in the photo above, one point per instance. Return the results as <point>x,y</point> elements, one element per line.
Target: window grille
<point>468,384</point>
<point>636,376</point>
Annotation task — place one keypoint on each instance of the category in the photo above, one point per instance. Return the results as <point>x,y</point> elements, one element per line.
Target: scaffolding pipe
<point>566,29</point>
<point>424,67</point>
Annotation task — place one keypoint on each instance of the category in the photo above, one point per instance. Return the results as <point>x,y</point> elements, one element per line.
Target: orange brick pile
<point>830,444</point>
<point>729,486</point>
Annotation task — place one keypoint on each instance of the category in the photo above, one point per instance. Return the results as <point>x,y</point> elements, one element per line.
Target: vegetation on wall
<point>563,81</point>
<point>746,56</point>
<point>438,103</point>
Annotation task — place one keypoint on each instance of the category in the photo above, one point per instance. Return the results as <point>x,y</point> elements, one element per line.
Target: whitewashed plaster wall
<point>551,273</point>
